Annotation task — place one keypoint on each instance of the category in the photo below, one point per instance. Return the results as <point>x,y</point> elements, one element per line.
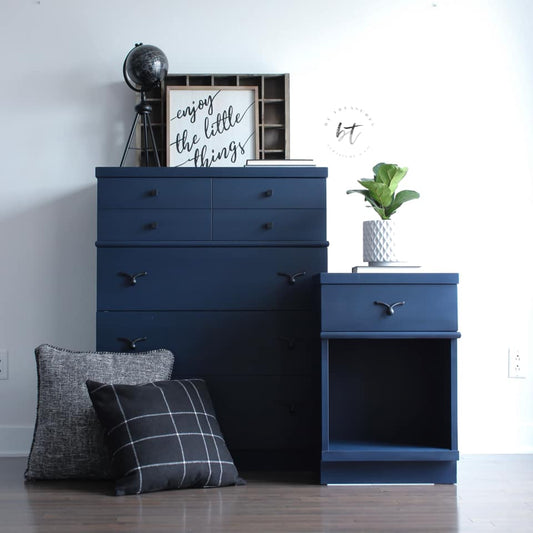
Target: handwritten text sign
<point>211,127</point>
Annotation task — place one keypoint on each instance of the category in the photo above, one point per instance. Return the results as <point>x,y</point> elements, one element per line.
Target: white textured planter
<point>382,243</point>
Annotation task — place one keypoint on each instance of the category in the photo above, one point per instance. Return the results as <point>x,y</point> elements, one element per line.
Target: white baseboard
<point>15,441</point>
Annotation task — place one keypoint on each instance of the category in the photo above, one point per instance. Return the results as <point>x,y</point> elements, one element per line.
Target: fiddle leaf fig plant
<point>380,192</point>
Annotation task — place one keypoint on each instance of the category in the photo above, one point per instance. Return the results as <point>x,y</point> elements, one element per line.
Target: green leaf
<point>368,197</point>
<point>399,199</point>
<point>381,174</point>
<point>389,174</point>
<point>377,208</point>
<point>379,192</point>
<point>398,173</point>
<point>381,212</point>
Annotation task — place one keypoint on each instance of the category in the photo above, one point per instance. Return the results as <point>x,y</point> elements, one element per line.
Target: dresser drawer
<point>150,193</point>
<point>269,193</point>
<point>208,278</point>
<point>154,224</point>
<point>260,403</point>
<point>269,224</point>
<point>267,412</point>
<point>207,343</point>
<point>420,307</point>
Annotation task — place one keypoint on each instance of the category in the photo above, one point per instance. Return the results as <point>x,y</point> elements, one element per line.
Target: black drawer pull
<point>153,192</point>
<point>291,343</point>
<point>292,277</point>
<point>132,344</point>
<point>133,277</point>
<point>269,193</point>
<point>268,225</point>
<point>390,307</point>
<point>151,225</point>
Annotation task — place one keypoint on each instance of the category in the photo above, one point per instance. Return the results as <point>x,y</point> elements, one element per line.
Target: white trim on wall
<point>15,441</point>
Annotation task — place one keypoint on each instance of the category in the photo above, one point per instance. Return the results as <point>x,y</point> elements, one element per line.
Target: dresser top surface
<point>218,172</point>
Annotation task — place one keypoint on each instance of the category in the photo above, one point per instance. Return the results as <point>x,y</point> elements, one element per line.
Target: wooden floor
<point>493,493</point>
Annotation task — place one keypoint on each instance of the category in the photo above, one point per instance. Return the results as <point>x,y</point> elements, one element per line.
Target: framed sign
<point>211,126</point>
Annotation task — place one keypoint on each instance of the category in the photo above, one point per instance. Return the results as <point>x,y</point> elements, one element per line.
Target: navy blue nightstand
<point>389,378</point>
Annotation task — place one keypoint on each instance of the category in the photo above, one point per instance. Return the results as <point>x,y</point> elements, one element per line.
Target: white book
<point>280,163</point>
<point>365,269</point>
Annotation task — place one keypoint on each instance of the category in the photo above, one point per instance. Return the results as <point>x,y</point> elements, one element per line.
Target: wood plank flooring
<point>493,494</point>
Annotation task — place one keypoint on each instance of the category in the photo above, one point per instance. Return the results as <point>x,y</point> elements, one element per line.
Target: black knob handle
<point>133,277</point>
<point>269,193</point>
<point>132,344</point>
<point>389,308</point>
<point>152,225</point>
<point>153,192</point>
<point>291,278</point>
<point>268,225</point>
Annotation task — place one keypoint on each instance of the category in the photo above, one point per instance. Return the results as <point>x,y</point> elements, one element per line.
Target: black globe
<point>144,67</point>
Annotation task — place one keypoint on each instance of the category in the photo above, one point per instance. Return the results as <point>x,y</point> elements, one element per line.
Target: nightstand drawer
<point>150,193</point>
<point>207,278</point>
<point>269,193</point>
<point>154,224</point>
<point>389,307</point>
<point>269,224</point>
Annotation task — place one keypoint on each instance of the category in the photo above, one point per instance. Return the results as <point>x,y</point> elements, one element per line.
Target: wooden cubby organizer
<point>273,103</point>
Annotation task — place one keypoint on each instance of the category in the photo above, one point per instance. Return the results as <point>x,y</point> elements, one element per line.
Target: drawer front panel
<point>208,278</point>
<point>354,307</point>
<point>152,193</point>
<point>207,343</point>
<point>269,224</point>
<point>262,403</point>
<point>154,224</point>
<point>267,412</point>
<point>269,193</point>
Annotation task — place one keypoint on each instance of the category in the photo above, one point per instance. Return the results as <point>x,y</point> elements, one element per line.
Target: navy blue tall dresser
<point>217,265</point>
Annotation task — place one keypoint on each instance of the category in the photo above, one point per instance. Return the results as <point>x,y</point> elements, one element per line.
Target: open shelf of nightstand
<point>384,451</point>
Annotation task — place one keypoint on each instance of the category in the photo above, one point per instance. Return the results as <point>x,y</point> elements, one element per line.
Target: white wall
<point>447,82</point>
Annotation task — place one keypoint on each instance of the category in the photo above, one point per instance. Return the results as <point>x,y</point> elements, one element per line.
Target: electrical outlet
<point>516,364</point>
<point>3,364</point>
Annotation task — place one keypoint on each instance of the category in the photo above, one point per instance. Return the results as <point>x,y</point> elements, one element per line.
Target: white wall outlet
<point>517,366</point>
<point>3,364</point>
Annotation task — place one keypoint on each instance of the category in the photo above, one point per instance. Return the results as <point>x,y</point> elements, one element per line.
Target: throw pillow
<point>163,435</point>
<point>68,440</point>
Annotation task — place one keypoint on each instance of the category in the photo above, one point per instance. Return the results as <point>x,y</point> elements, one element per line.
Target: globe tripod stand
<point>143,110</point>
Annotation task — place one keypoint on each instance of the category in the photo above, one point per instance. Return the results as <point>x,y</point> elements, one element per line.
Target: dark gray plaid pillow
<point>163,435</point>
<point>68,440</point>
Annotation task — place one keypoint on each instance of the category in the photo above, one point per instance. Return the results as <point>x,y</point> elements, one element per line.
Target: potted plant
<point>380,246</point>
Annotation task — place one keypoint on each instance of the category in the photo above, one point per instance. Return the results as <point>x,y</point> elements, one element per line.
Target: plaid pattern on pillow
<point>162,435</point>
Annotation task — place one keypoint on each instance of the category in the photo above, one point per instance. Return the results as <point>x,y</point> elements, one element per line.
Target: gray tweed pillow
<point>68,440</point>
